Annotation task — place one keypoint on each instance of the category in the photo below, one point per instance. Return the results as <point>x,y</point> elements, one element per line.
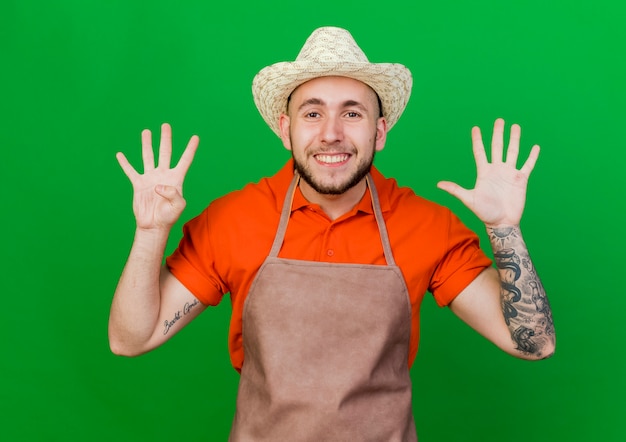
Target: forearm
<point>524,302</point>
<point>137,300</point>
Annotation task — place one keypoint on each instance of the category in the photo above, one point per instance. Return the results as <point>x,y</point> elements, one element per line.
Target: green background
<point>81,79</point>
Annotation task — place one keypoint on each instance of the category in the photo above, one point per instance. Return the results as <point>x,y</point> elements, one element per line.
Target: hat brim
<point>272,85</point>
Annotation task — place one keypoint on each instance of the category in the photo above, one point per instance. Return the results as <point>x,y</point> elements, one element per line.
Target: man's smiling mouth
<point>332,158</point>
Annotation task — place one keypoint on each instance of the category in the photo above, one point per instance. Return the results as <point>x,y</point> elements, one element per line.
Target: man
<point>327,261</point>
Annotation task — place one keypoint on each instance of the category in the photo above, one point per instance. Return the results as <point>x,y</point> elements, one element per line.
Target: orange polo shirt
<point>223,247</point>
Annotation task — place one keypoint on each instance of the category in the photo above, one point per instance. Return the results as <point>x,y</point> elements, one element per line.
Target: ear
<point>381,134</point>
<point>284,124</point>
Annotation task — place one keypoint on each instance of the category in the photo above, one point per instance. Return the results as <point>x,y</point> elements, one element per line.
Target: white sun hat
<point>330,51</point>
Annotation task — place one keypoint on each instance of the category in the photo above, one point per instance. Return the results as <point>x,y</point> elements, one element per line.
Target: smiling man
<point>333,128</point>
<point>327,261</point>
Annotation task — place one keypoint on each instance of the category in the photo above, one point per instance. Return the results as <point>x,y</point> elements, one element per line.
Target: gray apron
<point>325,349</point>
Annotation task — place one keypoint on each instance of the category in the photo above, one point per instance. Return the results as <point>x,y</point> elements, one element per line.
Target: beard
<point>334,189</point>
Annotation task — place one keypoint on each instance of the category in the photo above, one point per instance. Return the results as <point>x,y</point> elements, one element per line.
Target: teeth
<point>331,159</point>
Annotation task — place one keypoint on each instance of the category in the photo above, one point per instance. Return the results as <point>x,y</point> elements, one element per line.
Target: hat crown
<point>330,51</point>
<point>331,45</point>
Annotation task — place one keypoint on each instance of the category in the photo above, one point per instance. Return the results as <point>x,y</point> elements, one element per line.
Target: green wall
<point>81,79</point>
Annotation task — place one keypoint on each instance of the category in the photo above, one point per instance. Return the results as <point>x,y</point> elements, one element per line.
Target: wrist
<point>497,226</point>
<point>158,231</point>
<point>153,238</point>
<point>502,236</point>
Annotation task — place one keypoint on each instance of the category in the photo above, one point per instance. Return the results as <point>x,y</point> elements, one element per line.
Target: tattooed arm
<point>508,306</point>
<point>150,305</point>
<point>525,306</point>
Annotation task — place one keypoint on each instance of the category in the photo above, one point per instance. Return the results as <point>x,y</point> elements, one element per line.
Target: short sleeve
<point>461,262</point>
<point>193,261</point>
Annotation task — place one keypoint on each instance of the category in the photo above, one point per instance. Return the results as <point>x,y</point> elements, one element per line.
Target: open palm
<point>158,193</point>
<point>499,194</point>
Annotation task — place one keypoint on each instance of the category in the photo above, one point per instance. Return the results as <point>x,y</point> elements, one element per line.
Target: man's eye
<point>353,114</point>
<point>312,115</point>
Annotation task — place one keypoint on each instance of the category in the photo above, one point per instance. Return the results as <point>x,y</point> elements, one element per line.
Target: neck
<point>334,206</point>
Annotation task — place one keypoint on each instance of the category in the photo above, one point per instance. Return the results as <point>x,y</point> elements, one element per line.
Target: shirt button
<point>330,252</point>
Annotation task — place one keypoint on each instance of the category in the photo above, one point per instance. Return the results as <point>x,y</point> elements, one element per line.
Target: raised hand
<point>499,195</point>
<point>158,193</point>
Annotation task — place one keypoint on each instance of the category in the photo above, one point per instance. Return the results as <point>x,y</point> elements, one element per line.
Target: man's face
<point>333,129</point>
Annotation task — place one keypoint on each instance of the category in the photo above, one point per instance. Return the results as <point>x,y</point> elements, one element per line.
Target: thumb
<point>171,194</point>
<point>455,190</point>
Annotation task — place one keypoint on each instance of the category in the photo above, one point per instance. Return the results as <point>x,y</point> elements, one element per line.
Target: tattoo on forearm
<point>506,261</point>
<point>522,337</point>
<point>502,235</point>
<point>170,324</point>
<point>186,310</point>
<point>189,306</point>
<point>524,303</point>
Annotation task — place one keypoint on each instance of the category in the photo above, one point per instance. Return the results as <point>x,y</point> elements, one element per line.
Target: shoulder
<point>242,220</point>
<point>400,201</point>
<point>414,221</point>
<point>254,199</point>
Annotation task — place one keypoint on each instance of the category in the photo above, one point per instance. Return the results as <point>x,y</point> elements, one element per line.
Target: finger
<point>497,142</point>
<point>171,194</point>
<point>129,170</point>
<point>146,150</point>
<point>165,148</point>
<point>456,191</point>
<point>530,162</point>
<point>512,150</point>
<point>188,154</point>
<point>478,147</point>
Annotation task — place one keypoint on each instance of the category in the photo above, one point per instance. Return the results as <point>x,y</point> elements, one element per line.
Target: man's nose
<point>332,130</point>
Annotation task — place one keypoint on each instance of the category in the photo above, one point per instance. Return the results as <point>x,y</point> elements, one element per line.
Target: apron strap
<point>284,216</point>
<point>286,213</point>
<point>382,227</point>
